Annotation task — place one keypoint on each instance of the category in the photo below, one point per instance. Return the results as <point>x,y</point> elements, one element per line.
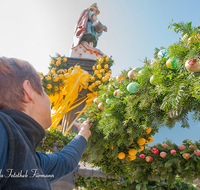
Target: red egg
<point>197,152</point>
<point>142,156</point>
<point>149,159</point>
<point>163,154</point>
<point>181,147</point>
<point>173,152</point>
<point>155,151</point>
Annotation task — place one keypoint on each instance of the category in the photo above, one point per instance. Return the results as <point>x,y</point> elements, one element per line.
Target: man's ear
<point>28,91</point>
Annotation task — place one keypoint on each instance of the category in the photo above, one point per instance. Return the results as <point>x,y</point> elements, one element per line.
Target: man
<point>25,114</point>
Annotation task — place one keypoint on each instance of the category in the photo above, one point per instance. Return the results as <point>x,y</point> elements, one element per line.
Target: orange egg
<point>132,152</point>
<point>52,61</point>
<point>148,130</point>
<point>48,78</point>
<point>55,79</point>
<point>132,157</point>
<point>141,149</point>
<point>64,59</point>
<point>107,59</point>
<point>149,140</point>
<point>104,79</point>
<point>58,63</point>
<point>141,141</point>
<point>106,66</point>
<point>101,60</point>
<point>96,72</point>
<point>98,67</point>
<point>59,59</point>
<point>121,155</point>
<point>56,88</point>
<point>49,86</point>
<point>99,76</point>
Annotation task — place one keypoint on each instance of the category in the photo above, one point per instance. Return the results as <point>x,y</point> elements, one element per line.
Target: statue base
<point>85,50</point>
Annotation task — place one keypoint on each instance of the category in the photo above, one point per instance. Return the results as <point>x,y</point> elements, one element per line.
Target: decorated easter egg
<point>118,93</point>
<point>152,80</point>
<point>132,74</point>
<point>121,77</point>
<point>153,61</point>
<point>133,87</point>
<point>162,53</point>
<point>173,63</point>
<point>81,120</point>
<point>141,72</point>
<point>100,106</point>
<point>108,101</point>
<point>193,65</point>
<point>184,37</point>
<point>155,80</point>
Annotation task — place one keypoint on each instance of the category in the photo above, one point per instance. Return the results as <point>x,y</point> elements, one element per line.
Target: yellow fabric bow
<point>75,80</point>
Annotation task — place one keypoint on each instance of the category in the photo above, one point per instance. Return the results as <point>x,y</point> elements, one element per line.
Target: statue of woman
<point>88,28</point>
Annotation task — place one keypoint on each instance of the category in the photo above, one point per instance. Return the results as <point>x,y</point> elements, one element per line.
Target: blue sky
<point>35,29</point>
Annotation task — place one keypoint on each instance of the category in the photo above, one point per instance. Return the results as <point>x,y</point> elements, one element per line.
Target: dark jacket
<point>23,167</point>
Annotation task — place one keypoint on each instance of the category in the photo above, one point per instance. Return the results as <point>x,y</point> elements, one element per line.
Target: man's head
<point>21,89</point>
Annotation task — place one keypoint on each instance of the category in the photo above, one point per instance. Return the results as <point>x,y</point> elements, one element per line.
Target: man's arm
<point>61,163</point>
<point>3,148</point>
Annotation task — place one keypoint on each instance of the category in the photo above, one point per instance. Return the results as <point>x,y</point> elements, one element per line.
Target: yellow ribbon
<point>75,81</point>
<point>90,98</point>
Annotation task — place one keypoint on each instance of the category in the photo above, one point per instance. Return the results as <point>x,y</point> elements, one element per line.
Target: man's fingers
<point>91,125</point>
<point>74,122</point>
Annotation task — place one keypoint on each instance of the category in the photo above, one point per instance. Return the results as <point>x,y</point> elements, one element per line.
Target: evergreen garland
<point>162,102</point>
<point>166,96</point>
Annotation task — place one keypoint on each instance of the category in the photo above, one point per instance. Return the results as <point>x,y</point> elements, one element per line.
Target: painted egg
<point>162,53</point>
<point>100,106</point>
<point>193,65</point>
<point>141,72</point>
<point>118,93</point>
<point>173,63</point>
<point>132,74</point>
<point>108,101</point>
<point>80,120</point>
<point>152,80</point>
<point>133,87</point>
<point>120,77</point>
<point>153,61</point>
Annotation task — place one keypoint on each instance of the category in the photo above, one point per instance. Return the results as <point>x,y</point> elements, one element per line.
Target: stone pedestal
<point>69,117</point>
<point>87,51</point>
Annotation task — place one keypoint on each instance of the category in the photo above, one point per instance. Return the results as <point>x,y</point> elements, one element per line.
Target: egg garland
<point>162,53</point>
<point>173,63</point>
<point>118,94</point>
<point>133,87</point>
<point>193,65</point>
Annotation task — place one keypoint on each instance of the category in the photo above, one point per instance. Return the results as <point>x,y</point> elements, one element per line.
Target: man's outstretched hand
<point>84,128</point>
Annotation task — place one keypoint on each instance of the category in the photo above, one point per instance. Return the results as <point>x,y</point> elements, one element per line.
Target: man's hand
<point>84,128</point>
